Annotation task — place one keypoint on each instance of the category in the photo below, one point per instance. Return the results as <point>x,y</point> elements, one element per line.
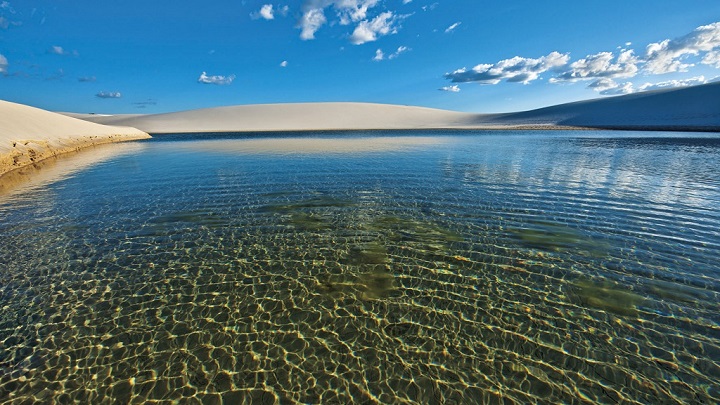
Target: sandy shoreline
<point>29,135</point>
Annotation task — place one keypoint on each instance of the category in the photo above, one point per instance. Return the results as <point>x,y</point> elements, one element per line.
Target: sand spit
<point>687,109</point>
<point>29,135</point>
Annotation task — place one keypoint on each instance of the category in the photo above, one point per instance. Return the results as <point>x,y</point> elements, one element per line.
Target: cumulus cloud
<point>109,94</point>
<point>609,87</point>
<point>369,30</point>
<point>453,89</point>
<point>452,27</point>
<point>59,50</point>
<point>669,84</point>
<point>353,10</point>
<point>3,64</point>
<point>712,59</point>
<point>284,63</point>
<point>310,22</point>
<point>379,55</point>
<point>600,65</point>
<point>266,12</point>
<point>215,79</point>
<point>517,70</point>
<point>670,55</point>
<point>347,12</point>
<point>399,51</point>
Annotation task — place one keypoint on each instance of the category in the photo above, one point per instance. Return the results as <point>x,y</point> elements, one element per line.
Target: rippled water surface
<point>418,268</point>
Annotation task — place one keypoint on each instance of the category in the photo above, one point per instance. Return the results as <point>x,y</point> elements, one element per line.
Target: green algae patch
<point>308,221</point>
<point>425,234</point>
<point>371,253</point>
<point>370,285</point>
<point>317,202</point>
<point>607,296</point>
<point>556,237</point>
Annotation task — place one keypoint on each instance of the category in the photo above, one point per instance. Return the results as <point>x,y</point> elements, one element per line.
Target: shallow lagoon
<point>423,267</point>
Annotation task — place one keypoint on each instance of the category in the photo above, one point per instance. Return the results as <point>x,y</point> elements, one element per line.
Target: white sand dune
<point>29,135</point>
<point>693,108</point>
<point>291,117</point>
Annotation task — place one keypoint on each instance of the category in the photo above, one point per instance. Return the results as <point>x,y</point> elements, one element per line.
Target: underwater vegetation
<point>308,215</point>
<point>315,202</point>
<point>371,285</point>
<point>422,235</point>
<point>607,296</point>
<point>184,219</point>
<point>552,236</point>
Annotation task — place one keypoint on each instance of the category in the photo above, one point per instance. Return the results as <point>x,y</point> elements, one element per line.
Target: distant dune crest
<point>688,109</point>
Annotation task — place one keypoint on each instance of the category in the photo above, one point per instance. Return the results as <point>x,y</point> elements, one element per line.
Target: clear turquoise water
<point>423,267</point>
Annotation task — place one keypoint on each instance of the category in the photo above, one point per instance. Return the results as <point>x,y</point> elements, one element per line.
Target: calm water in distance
<point>402,267</point>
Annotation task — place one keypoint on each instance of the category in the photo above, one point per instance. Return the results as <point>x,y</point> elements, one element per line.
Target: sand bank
<point>29,135</point>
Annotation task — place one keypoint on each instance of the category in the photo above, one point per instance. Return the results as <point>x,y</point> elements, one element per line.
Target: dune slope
<point>28,135</point>
<point>694,108</point>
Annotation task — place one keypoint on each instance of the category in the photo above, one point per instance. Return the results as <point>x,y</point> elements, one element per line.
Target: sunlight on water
<point>430,268</point>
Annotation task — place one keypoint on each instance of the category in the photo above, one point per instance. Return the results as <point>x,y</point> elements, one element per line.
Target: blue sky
<point>140,56</point>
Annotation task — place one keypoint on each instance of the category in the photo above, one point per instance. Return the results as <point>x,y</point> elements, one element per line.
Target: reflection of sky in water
<point>468,267</point>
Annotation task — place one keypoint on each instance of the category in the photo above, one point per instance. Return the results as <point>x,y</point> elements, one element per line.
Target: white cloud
<point>219,80</point>
<point>517,69</point>
<point>712,59</point>
<point>3,64</point>
<point>453,89</point>
<point>57,50</point>
<point>347,12</point>
<point>670,55</point>
<point>407,1</point>
<point>609,87</point>
<point>109,94</point>
<point>284,63</point>
<point>266,12</point>
<point>399,51</point>
<point>603,64</point>
<point>353,10</point>
<point>368,31</point>
<point>693,81</point>
<point>310,22</point>
<point>452,27</point>
<point>379,55</point>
